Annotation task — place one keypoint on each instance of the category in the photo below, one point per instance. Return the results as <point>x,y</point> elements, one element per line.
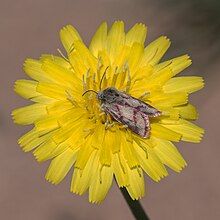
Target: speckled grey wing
<point>137,121</point>
<point>128,100</point>
<point>131,112</point>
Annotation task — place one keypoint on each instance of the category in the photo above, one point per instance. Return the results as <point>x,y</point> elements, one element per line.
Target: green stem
<point>134,206</point>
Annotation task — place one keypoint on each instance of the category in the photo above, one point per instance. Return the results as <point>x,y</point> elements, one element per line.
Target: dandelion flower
<point>71,129</point>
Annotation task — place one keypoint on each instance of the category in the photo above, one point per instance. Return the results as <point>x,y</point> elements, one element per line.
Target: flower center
<point>94,82</point>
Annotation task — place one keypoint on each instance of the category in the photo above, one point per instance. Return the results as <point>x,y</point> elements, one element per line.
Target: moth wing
<point>128,115</point>
<point>140,105</point>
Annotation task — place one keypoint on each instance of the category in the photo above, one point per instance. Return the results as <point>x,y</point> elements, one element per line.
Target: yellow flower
<point>71,129</point>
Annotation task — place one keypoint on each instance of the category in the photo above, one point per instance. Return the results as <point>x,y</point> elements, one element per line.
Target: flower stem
<point>134,206</point>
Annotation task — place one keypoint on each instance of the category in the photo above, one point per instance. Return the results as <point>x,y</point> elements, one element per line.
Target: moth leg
<point>123,126</point>
<point>102,113</point>
<point>109,122</point>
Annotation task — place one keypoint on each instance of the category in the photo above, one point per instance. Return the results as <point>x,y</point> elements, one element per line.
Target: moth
<point>125,109</point>
<point>128,110</point>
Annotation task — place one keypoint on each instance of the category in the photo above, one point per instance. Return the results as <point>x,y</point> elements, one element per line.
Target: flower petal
<point>60,166</point>
<point>29,114</point>
<point>120,170</point>
<point>101,182</point>
<point>187,111</point>
<point>169,99</point>
<point>155,50</point>
<point>163,132</point>
<point>83,155</point>
<point>52,90</point>
<point>189,131</point>
<point>33,69</point>
<point>68,35</point>
<point>26,88</point>
<point>169,155</point>
<point>176,64</point>
<point>186,84</point>
<point>56,59</point>
<point>136,34</point>
<point>33,139</point>
<point>59,74</point>
<point>98,42</point>
<point>151,164</point>
<point>115,39</point>
<point>134,57</point>
<point>81,178</point>
<point>84,56</point>
<point>136,188</point>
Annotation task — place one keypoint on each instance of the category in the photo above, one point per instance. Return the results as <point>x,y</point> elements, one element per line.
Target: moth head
<point>108,95</point>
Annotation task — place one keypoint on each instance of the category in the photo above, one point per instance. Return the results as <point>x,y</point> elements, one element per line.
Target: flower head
<point>72,130</point>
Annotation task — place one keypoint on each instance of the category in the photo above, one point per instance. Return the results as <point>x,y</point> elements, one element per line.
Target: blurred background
<point>29,28</point>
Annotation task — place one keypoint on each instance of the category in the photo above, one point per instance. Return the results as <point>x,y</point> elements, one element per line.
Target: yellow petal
<point>189,131</point>
<point>116,138</point>
<point>115,39</point>
<point>59,74</point>
<point>84,56</point>
<point>60,166</point>
<point>158,79</point>
<point>177,64</point>
<point>98,136</point>
<point>49,123</point>
<point>33,69</point>
<point>44,150</point>
<point>134,57</point>
<point>66,131</point>
<point>77,63</point>
<point>169,155</point>
<point>101,182</point>
<point>169,99</point>
<point>84,154</point>
<point>163,132</point>
<point>187,111</point>
<point>98,42</point>
<point>120,169</point>
<point>58,60</point>
<point>32,139</point>
<point>52,90</point>
<point>186,84</point>
<point>81,178</point>
<point>136,34</point>
<point>51,149</point>
<point>129,153</point>
<point>26,88</point>
<point>68,36</point>
<point>122,58</point>
<point>151,163</point>
<point>105,151</point>
<point>155,50</point>
<point>29,114</point>
<point>58,107</point>
<point>136,188</point>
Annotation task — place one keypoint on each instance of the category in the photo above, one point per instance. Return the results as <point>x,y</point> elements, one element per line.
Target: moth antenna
<point>62,55</point>
<point>100,85</point>
<point>90,90</point>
